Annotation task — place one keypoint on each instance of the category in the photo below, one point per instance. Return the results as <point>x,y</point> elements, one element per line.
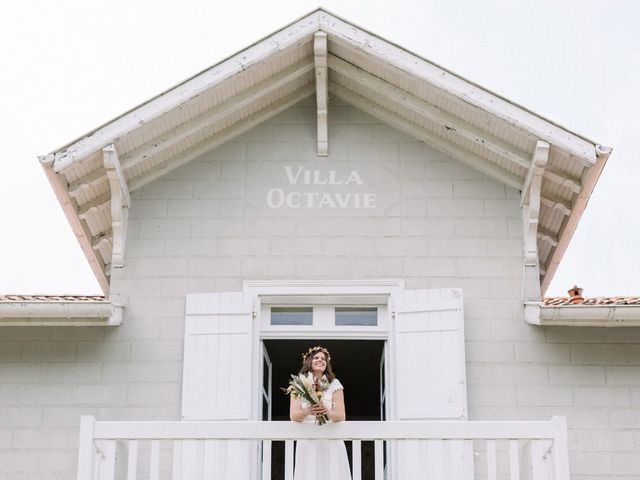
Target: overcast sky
<point>71,65</point>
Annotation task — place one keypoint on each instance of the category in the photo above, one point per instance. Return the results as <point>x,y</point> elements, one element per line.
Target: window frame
<point>323,321</point>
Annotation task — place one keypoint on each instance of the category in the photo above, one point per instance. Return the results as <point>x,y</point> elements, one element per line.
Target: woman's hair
<point>307,358</point>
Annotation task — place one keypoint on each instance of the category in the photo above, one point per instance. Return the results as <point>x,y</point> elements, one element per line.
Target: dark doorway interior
<point>356,364</point>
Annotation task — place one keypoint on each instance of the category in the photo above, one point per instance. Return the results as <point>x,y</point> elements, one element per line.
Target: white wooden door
<point>430,379</point>
<point>216,382</point>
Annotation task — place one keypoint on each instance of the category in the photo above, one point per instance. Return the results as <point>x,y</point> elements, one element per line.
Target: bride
<point>320,459</point>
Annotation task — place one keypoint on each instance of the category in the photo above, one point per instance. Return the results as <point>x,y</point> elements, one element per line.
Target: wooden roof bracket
<point>320,52</point>
<point>530,203</point>
<point>120,203</point>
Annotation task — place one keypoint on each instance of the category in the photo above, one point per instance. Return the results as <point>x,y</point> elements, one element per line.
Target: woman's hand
<point>296,412</point>
<point>318,410</point>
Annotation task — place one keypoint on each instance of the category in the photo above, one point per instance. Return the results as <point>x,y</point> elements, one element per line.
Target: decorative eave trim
<point>449,123</point>
<point>225,135</point>
<point>344,31</point>
<point>460,88</point>
<point>190,128</point>
<point>583,315</point>
<point>320,52</point>
<point>579,205</point>
<point>420,133</point>
<point>176,96</point>
<point>78,225</point>
<point>36,314</point>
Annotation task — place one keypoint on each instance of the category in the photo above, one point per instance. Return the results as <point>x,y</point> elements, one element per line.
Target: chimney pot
<point>575,294</point>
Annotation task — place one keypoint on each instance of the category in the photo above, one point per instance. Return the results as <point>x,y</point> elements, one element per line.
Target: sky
<point>71,65</point>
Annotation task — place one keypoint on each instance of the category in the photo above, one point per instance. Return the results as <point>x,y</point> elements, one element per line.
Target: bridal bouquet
<point>304,387</point>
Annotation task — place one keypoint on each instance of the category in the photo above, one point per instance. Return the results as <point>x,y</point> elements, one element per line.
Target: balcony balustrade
<point>492,450</point>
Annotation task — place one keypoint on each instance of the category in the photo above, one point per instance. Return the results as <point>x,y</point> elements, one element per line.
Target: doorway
<point>358,364</point>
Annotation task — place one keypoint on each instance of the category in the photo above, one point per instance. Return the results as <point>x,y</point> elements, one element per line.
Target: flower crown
<point>313,350</point>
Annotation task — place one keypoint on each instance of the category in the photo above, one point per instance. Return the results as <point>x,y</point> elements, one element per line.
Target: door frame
<point>268,394</point>
<point>383,360</point>
<point>334,292</point>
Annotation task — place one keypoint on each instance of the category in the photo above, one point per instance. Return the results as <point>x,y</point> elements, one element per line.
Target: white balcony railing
<point>401,450</point>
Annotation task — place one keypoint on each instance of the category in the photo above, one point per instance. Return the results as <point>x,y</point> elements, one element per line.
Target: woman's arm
<point>296,412</point>
<point>336,414</point>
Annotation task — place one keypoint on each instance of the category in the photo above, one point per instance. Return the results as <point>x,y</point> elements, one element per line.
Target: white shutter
<point>429,346</point>
<point>431,385</point>
<point>216,381</point>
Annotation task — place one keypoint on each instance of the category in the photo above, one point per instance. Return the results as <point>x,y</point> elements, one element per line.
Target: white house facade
<point>323,186</point>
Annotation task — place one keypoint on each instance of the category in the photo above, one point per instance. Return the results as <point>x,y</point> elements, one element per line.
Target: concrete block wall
<point>207,227</point>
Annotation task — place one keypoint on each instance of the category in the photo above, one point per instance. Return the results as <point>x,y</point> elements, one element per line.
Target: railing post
<point>86,450</point>
<point>541,459</point>
<point>560,448</point>
<point>105,464</point>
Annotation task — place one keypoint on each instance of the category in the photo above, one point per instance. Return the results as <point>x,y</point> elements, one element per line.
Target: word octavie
<point>278,197</point>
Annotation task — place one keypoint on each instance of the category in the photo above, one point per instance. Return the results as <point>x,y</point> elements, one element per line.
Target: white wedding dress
<point>322,459</point>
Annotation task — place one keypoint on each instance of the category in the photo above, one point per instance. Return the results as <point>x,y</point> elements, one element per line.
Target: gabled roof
<point>473,125</point>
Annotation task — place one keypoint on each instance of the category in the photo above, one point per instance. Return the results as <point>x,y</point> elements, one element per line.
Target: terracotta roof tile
<point>554,301</point>
<point>52,298</point>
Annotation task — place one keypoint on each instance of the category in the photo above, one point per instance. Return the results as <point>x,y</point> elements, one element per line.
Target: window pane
<point>357,316</point>
<point>291,316</point>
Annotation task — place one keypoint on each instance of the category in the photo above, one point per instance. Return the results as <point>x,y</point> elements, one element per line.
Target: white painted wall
<point>206,227</point>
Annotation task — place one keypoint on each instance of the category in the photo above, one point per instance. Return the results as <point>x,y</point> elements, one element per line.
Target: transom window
<point>356,316</point>
<point>291,316</point>
<point>287,317</point>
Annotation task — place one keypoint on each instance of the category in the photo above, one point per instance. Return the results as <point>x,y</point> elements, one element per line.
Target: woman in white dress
<point>320,459</point>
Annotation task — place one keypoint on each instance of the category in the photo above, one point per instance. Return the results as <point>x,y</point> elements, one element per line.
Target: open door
<point>264,448</point>
<point>383,385</point>
<point>267,374</point>
<point>384,406</point>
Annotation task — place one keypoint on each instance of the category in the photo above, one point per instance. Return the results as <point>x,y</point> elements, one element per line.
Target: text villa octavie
<point>278,197</point>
